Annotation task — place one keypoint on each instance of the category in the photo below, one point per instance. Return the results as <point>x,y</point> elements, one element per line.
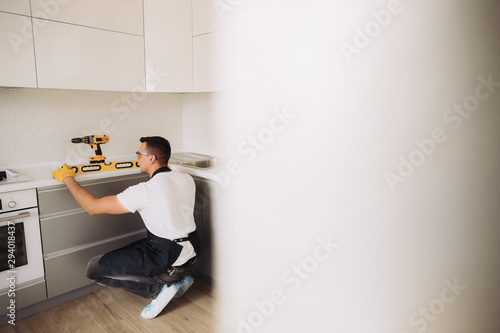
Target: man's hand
<point>63,172</point>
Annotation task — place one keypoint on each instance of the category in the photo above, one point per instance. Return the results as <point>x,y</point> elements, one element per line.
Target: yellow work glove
<point>63,172</point>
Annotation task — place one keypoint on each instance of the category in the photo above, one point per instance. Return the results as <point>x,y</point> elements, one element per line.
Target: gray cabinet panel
<point>208,191</point>
<point>77,228</point>
<point>205,194</point>
<point>71,237</point>
<point>57,199</point>
<point>198,219</point>
<point>24,297</point>
<point>67,272</point>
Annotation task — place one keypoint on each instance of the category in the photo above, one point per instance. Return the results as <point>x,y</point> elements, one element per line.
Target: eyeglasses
<point>139,154</point>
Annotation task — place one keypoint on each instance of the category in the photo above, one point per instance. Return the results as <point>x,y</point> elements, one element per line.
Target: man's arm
<point>91,204</point>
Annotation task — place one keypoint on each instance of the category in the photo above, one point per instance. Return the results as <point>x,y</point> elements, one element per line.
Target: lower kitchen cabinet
<point>77,228</point>
<point>210,191</point>
<point>71,237</point>
<point>66,271</point>
<point>198,219</point>
<point>25,295</point>
<point>204,223</point>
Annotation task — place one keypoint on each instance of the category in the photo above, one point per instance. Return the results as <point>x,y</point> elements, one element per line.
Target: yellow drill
<point>95,142</point>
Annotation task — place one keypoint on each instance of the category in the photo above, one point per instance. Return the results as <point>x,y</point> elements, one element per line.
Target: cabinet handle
<point>19,216</point>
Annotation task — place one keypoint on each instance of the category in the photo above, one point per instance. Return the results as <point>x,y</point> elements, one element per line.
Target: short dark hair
<point>158,146</point>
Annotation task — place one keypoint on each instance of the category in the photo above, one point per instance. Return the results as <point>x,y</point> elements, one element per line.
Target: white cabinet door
<point>116,15</point>
<point>17,59</point>
<point>205,17</point>
<point>16,6</point>
<point>208,69</point>
<point>168,45</point>
<point>75,57</point>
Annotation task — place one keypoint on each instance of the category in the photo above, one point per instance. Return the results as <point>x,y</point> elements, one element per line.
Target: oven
<point>20,240</point>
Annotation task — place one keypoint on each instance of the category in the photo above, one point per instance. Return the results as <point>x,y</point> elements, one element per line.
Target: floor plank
<point>114,310</point>
<point>127,326</point>
<point>72,318</point>
<point>103,312</point>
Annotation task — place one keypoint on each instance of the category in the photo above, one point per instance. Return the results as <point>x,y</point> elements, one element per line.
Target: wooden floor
<point>114,310</point>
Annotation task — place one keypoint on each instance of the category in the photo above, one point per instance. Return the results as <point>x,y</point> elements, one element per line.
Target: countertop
<point>41,175</point>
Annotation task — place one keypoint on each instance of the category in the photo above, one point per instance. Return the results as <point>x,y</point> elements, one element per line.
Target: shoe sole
<point>166,294</point>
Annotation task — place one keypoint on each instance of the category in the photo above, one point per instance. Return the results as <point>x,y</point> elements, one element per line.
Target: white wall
<point>201,120</point>
<point>37,125</point>
<point>320,175</point>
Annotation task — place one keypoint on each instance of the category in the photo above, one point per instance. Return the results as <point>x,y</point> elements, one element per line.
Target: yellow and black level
<point>99,167</point>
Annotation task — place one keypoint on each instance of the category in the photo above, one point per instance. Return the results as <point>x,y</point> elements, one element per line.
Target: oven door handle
<point>15,217</point>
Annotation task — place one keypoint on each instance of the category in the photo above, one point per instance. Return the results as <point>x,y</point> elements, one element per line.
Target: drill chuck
<point>77,140</point>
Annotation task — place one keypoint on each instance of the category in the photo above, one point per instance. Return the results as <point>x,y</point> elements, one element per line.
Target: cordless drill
<point>95,142</point>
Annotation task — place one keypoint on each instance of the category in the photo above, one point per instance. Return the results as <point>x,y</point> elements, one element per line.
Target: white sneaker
<point>160,302</point>
<point>184,285</point>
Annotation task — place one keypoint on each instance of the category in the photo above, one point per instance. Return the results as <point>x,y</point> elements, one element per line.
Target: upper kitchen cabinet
<point>208,56</point>
<point>205,17</point>
<point>17,59</point>
<point>207,52</point>
<point>115,15</point>
<point>16,6</point>
<point>168,45</point>
<point>70,56</point>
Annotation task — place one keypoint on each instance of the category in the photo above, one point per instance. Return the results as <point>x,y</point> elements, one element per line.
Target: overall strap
<point>161,169</point>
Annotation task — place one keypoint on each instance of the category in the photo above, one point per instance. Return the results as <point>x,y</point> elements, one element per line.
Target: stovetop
<point>10,176</point>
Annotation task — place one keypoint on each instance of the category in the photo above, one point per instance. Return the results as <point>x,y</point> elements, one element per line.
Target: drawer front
<point>77,228</point>
<point>67,272</point>
<point>58,199</point>
<point>25,296</point>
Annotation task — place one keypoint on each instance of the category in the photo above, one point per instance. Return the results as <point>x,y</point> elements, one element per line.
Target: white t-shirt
<point>165,203</point>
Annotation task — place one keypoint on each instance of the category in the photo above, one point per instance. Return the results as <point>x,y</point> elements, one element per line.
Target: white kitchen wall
<point>36,125</point>
<point>199,129</point>
<point>368,194</point>
<point>203,123</point>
